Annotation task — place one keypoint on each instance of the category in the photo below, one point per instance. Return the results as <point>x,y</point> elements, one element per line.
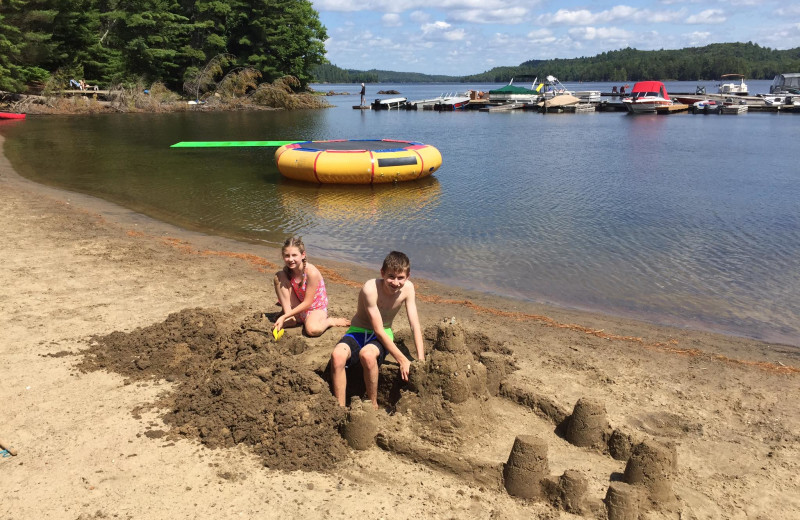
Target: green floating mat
<point>223,144</point>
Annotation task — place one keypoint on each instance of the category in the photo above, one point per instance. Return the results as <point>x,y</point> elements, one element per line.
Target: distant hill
<point>688,64</point>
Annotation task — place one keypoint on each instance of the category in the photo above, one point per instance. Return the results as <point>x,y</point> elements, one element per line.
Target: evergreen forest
<point>688,64</point>
<point>124,41</point>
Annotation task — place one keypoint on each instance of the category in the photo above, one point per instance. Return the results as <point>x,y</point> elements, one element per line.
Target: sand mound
<point>234,385</point>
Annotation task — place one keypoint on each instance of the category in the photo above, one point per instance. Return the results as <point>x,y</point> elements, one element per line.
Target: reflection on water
<point>349,205</point>
<point>680,219</point>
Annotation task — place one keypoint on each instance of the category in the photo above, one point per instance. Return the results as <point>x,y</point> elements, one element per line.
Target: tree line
<point>688,64</point>
<point>171,41</point>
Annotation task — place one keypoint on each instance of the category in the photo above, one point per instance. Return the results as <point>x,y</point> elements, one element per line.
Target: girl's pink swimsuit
<point>320,297</point>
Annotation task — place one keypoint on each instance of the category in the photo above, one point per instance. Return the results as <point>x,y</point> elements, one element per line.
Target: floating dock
<point>675,107</point>
<point>609,102</point>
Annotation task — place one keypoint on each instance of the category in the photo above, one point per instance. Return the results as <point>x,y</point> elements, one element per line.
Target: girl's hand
<point>279,322</point>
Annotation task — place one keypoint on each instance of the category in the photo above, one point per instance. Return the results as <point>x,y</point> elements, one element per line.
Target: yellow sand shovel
<point>278,334</point>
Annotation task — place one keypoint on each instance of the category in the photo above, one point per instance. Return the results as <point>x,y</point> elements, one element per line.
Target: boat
<point>732,88</point>
<point>425,104</point>
<point>588,96</point>
<point>706,106</point>
<point>551,88</point>
<point>514,94</point>
<point>647,96</point>
<point>453,102</point>
<point>779,101</point>
<point>558,102</point>
<point>785,84</point>
<point>11,115</point>
<point>367,161</point>
<point>389,103</point>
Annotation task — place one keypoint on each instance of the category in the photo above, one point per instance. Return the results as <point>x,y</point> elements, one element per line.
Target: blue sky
<point>458,37</point>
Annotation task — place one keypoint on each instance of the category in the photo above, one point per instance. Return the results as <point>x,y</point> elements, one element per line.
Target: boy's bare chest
<point>388,306</point>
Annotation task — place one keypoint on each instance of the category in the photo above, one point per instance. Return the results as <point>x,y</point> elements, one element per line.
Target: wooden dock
<point>676,107</point>
<point>502,108</point>
<point>733,109</point>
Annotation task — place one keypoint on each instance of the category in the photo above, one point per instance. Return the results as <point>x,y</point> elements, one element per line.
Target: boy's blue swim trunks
<point>357,337</point>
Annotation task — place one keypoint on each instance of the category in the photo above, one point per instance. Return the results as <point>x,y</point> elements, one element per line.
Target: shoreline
<point>559,315</point>
<point>93,444</point>
<point>709,312</point>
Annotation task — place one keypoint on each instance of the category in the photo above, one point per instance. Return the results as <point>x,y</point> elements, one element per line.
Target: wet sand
<point>110,441</point>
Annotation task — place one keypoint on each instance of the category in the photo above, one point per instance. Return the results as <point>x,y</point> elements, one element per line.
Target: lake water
<point>690,220</point>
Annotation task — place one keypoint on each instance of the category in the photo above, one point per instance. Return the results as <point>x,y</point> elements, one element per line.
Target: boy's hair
<point>396,262</point>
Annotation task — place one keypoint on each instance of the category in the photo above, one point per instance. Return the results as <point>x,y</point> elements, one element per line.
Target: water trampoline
<point>371,161</point>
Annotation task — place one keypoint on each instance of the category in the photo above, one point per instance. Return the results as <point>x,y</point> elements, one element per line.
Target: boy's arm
<point>413,322</point>
<point>376,321</point>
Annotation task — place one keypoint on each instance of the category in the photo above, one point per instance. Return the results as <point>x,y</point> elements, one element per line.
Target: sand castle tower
<point>527,467</point>
<point>451,369</point>
<point>650,468</point>
<point>361,426</point>
<point>588,426</point>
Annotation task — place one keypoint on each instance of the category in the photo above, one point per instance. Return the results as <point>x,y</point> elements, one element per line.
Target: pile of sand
<point>232,385</point>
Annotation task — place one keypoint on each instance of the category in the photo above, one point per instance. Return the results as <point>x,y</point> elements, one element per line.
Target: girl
<point>301,292</point>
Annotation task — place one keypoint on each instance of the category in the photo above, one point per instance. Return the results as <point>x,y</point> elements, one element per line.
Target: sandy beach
<point>140,381</point>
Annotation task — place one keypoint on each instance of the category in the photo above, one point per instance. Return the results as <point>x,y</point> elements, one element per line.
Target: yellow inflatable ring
<point>368,161</point>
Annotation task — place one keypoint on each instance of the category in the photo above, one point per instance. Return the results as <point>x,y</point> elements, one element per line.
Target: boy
<point>370,336</point>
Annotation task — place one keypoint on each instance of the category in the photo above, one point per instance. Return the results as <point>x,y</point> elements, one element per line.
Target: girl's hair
<point>294,242</point>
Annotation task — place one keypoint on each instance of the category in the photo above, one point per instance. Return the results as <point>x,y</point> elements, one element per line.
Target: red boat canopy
<point>650,86</point>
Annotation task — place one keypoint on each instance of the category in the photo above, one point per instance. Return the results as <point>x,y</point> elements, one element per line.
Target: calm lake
<point>682,219</point>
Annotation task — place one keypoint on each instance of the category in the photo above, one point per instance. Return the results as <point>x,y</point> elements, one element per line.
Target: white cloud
<point>419,16</point>
<point>709,16</point>
<point>391,20</point>
<point>539,34</point>
<point>792,10</point>
<point>510,16</point>
<point>619,13</point>
<point>610,34</point>
<point>441,31</point>
<point>697,38</point>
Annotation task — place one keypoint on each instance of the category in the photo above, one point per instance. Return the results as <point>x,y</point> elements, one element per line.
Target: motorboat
<point>515,94</point>
<point>453,102</point>
<point>733,88</point>
<point>588,96</point>
<point>389,103</point>
<point>706,106</point>
<point>426,104</point>
<point>551,88</point>
<point>647,96</point>
<point>785,84</point>
<point>782,100</point>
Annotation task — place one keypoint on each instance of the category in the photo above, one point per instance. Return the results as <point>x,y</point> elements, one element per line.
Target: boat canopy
<point>650,87</point>
<point>512,89</point>
<point>786,83</point>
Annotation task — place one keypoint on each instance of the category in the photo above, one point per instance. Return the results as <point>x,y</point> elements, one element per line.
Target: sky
<point>461,37</point>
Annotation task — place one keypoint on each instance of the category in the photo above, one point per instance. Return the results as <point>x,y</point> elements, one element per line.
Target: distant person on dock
<point>614,89</point>
<point>370,336</point>
<point>363,95</point>
<point>301,292</point>
<point>622,89</point>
